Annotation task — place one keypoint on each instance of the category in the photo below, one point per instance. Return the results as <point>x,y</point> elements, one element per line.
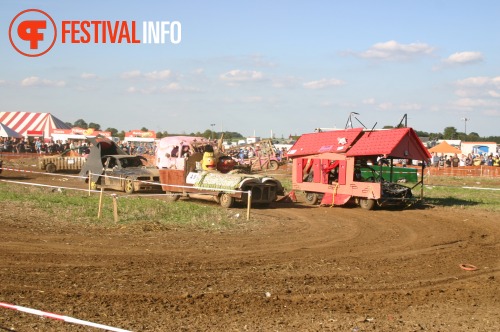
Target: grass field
<point>79,207</point>
<point>446,192</point>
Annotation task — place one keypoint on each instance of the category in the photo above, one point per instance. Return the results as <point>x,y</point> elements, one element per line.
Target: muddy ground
<point>290,268</point>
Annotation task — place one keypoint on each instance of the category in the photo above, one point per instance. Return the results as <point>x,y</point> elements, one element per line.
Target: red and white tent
<point>32,124</point>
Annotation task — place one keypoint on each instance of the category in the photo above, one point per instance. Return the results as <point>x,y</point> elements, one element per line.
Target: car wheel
<point>51,168</point>
<point>226,201</point>
<point>129,186</point>
<point>273,165</point>
<point>171,197</point>
<point>366,203</point>
<point>312,198</point>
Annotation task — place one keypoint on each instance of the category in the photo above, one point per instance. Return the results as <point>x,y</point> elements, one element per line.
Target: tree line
<point>450,133</point>
<point>159,134</point>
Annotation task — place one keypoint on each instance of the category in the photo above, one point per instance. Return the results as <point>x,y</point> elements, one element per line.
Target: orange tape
<point>468,267</point>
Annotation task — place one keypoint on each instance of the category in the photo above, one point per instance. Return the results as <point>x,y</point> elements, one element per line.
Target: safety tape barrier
<point>46,185</point>
<point>61,317</point>
<point>249,192</point>
<point>121,178</point>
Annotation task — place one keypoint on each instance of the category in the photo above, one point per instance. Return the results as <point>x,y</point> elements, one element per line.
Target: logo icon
<point>30,32</point>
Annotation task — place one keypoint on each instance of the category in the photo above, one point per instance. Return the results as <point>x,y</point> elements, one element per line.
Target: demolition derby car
<point>191,165</point>
<point>68,160</point>
<point>108,166</point>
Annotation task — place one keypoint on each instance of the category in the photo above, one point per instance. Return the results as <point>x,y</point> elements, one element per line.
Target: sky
<point>264,68</point>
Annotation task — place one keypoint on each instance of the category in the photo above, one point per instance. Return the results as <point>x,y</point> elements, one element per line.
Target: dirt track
<point>291,268</point>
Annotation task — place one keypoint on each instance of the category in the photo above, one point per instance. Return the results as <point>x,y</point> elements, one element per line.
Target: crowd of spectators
<point>471,159</point>
<point>81,147</point>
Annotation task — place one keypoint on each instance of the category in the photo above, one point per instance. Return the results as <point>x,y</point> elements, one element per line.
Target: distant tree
<point>422,133</point>
<point>144,129</point>
<point>95,126</point>
<point>435,136</point>
<point>81,123</point>
<point>232,135</point>
<point>209,134</point>
<point>450,133</point>
<point>121,135</point>
<point>387,127</point>
<point>69,124</point>
<point>491,139</point>
<point>113,131</point>
<point>473,136</point>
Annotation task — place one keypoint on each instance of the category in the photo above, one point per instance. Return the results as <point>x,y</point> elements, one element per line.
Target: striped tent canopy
<point>24,122</point>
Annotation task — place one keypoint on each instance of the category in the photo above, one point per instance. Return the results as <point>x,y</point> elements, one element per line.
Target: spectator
<point>435,159</point>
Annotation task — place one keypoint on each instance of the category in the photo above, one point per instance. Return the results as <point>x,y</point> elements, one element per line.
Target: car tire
<point>129,186</point>
<point>311,198</point>
<point>366,203</point>
<point>273,165</point>
<point>171,197</point>
<point>226,200</point>
<point>51,168</point>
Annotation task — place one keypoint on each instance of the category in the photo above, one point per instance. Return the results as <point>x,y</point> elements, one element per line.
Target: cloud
<point>131,74</point>
<point>88,76</point>
<point>479,86</point>
<point>237,76</point>
<point>171,87</point>
<point>386,106</point>
<point>369,101</point>
<point>479,81</point>
<point>323,83</point>
<point>410,107</point>
<point>472,103</point>
<point>153,75</point>
<point>392,50</point>
<point>461,58</point>
<point>37,81</point>
<point>158,75</point>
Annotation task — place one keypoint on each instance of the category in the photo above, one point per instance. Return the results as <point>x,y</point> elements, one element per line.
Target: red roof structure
<point>335,141</point>
<point>401,143</point>
<point>22,122</point>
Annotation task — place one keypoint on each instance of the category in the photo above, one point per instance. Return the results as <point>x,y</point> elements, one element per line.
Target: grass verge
<point>77,206</point>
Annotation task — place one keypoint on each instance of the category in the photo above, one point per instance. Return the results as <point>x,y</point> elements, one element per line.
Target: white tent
<point>7,132</point>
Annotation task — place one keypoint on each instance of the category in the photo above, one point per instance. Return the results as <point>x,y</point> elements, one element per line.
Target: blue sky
<point>260,66</point>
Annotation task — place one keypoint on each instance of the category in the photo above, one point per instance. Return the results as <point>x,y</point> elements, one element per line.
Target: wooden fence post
<point>115,208</point>
<point>99,212</point>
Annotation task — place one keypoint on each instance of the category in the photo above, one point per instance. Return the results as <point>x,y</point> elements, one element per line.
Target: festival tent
<point>32,124</point>
<point>7,132</point>
<point>444,147</point>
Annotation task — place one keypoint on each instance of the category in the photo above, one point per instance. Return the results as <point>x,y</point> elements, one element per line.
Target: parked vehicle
<point>68,160</point>
<point>108,166</point>
<point>335,167</point>
<point>256,156</point>
<point>188,173</point>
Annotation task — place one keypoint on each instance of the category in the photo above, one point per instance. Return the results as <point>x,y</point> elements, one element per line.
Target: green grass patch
<point>451,196</point>
<point>77,206</point>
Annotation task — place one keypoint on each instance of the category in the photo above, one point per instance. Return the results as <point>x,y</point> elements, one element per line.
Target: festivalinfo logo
<point>33,32</point>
